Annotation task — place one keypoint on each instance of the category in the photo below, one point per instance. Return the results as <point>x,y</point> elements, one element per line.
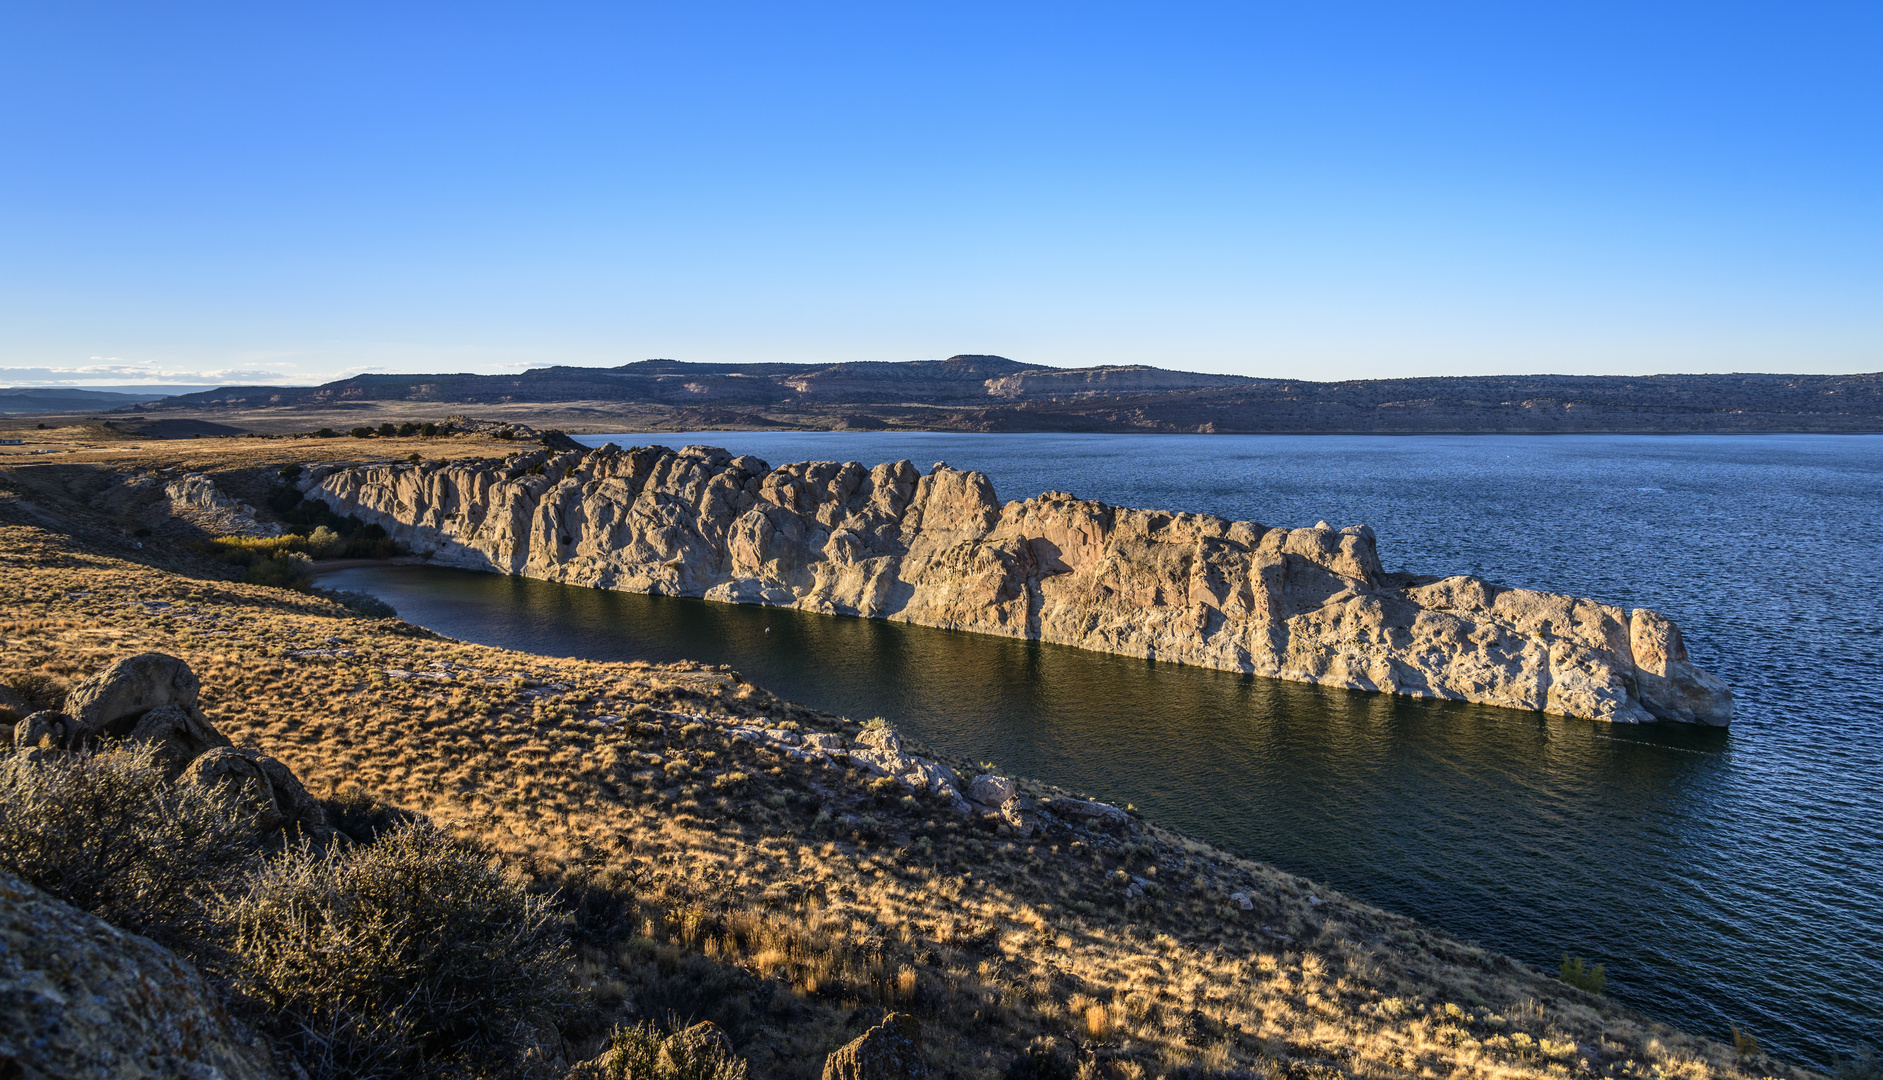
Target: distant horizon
<point>174,389</point>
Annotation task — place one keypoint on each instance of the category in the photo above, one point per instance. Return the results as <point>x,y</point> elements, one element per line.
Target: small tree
<point>1578,973</point>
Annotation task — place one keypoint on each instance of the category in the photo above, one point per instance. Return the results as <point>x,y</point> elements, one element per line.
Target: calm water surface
<point>1723,878</point>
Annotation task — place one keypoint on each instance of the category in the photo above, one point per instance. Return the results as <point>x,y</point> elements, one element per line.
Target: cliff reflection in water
<point>1528,834</point>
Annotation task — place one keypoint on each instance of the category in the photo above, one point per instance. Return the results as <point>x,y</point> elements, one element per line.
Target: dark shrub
<point>105,832</point>
<point>397,957</point>
<point>430,430</point>
<point>1582,975</point>
<point>326,433</point>
<point>362,433</point>
<point>362,817</point>
<point>1042,1060</point>
<point>388,429</point>
<point>288,570</point>
<point>407,429</point>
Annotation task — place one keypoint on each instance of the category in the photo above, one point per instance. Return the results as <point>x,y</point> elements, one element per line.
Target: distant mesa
<point>979,392</point>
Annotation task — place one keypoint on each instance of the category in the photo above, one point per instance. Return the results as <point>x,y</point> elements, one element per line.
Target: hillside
<point>991,393</point>
<point>710,866</point>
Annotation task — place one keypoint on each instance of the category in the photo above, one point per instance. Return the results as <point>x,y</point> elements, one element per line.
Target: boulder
<point>177,735</point>
<point>53,729</point>
<point>266,788</point>
<point>1105,815</point>
<point>824,740</point>
<point>83,1000</point>
<point>992,791</point>
<point>892,1050</point>
<point>110,703</point>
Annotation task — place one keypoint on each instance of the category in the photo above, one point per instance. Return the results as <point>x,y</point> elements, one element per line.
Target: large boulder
<point>992,791</point>
<point>266,788</point>
<point>892,1050</point>
<point>119,702</point>
<point>83,1000</point>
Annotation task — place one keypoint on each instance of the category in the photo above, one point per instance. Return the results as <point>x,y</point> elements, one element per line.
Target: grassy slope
<point>791,902</point>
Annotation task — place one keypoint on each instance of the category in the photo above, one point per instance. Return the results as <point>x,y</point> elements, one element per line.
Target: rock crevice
<point>938,549</point>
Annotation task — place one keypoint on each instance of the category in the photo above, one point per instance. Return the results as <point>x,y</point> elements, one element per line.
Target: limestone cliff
<point>1311,605</point>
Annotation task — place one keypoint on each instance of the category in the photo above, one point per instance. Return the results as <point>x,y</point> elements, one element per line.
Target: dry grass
<point>710,878</point>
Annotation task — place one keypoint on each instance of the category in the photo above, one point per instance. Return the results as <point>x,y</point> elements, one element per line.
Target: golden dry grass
<point>794,902</point>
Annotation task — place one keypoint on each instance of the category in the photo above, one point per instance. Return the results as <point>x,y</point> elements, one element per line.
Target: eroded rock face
<point>196,498</point>
<point>1311,605</point>
<point>82,999</point>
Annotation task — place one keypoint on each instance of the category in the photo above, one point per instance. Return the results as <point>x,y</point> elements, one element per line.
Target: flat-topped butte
<point>1310,605</point>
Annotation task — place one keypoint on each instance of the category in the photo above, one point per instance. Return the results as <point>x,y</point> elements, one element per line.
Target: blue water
<point>1724,878</point>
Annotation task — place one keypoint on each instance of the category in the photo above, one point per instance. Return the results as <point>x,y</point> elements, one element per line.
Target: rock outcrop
<point>150,697</point>
<point>266,788</point>
<point>196,498</point>
<point>81,999</point>
<point>892,1050</point>
<point>1312,605</point>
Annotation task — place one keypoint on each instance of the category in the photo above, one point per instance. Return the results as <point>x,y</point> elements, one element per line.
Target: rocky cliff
<point>1310,605</point>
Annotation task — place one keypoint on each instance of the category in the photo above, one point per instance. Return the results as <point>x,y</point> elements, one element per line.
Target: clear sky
<point>284,192</point>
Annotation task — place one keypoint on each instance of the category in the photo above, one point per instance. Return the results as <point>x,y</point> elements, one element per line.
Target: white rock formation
<point>1310,605</point>
<point>196,498</point>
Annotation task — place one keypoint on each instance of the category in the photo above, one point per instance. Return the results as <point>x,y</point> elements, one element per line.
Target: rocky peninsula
<point>1311,605</point>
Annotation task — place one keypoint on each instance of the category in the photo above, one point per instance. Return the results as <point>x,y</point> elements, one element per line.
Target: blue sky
<point>291,193</point>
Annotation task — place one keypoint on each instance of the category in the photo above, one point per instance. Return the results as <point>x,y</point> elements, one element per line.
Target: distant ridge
<point>972,392</point>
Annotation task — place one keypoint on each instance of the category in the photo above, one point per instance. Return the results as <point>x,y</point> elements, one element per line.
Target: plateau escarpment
<point>1311,605</point>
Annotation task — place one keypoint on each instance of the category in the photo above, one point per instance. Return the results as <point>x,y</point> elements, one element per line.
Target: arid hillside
<point>720,854</point>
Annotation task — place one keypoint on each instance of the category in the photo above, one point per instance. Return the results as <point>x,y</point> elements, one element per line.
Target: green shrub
<point>362,433</point>
<point>397,957</point>
<point>1578,973</point>
<point>291,570</point>
<point>324,542</point>
<point>408,429</point>
<point>108,833</point>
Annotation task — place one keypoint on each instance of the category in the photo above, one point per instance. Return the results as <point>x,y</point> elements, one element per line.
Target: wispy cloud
<point>112,370</point>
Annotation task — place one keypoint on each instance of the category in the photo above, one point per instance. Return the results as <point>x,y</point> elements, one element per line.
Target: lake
<point>1723,877</point>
